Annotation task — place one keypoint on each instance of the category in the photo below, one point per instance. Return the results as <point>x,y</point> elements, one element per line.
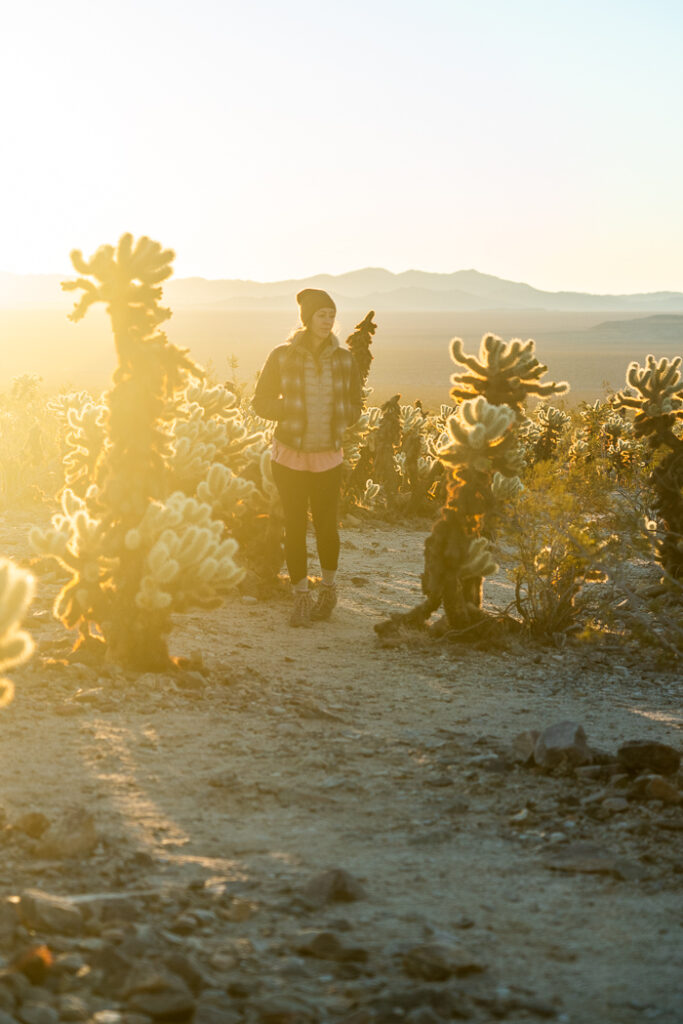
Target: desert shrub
<point>29,443</point>
<point>558,532</point>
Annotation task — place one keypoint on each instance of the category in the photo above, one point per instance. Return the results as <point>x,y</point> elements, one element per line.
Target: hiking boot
<point>301,612</point>
<point>325,603</point>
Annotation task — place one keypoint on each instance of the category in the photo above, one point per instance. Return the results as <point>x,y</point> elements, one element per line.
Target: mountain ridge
<point>367,287</point>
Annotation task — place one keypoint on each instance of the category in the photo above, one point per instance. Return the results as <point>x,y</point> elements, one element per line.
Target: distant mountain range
<point>372,288</point>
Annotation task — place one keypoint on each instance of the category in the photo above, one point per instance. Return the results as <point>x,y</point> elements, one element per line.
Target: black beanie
<point>310,301</point>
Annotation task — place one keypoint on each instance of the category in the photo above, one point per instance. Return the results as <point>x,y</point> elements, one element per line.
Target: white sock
<point>302,586</point>
<point>329,577</point>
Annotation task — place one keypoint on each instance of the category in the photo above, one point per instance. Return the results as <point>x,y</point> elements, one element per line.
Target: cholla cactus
<point>505,373</point>
<point>544,432</point>
<point>359,342</point>
<point>656,397</point>
<point>387,441</point>
<point>16,646</point>
<point>134,553</point>
<point>85,441</point>
<point>481,448</point>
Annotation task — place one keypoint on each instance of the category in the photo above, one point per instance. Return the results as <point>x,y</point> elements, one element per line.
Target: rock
<point>74,835</point>
<point>9,920</point>
<point>593,772</point>
<point>37,1013</point>
<point>659,788</point>
<point>648,755</point>
<point>335,885</point>
<point>434,961</point>
<point>586,858</point>
<point>326,946</point>
<point>615,804</point>
<point>523,746</point>
<point>188,969</point>
<point>283,1009</point>
<point>423,1015</point>
<point>45,913</point>
<point>218,1011</point>
<point>32,824</point>
<point>562,745</point>
<point>72,1008</point>
<point>7,1018</point>
<point>34,963</point>
<point>158,993</point>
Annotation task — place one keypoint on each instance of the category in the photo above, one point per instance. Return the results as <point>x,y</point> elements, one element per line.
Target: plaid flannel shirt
<point>281,395</point>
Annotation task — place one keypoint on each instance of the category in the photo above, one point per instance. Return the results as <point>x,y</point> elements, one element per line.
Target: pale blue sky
<point>536,141</point>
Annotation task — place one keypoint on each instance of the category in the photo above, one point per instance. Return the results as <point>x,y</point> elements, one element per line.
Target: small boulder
<point>435,961</point>
<point>43,912</point>
<point>523,746</point>
<point>648,755</point>
<point>73,835</point>
<point>32,824</point>
<point>335,885</point>
<point>562,745</point>
<point>659,788</point>
<point>327,946</point>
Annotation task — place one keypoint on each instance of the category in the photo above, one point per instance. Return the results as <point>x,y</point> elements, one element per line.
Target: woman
<point>311,387</point>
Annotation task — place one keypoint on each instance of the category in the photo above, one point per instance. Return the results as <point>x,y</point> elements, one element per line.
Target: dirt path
<point>288,752</point>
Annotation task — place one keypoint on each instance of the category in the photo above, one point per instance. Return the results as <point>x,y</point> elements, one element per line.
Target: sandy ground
<point>287,752</point>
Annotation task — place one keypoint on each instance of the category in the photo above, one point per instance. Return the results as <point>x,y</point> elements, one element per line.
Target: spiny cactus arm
<point>16,646</point>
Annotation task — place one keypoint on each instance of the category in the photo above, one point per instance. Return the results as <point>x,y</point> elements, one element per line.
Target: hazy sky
<point>539,141</point>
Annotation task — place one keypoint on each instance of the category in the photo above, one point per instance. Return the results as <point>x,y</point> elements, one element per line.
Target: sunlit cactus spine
<point>387,440</point>
<point>655,395</point>
<point>134,551</point>
<point>16,646</point>
<point>482,449</point>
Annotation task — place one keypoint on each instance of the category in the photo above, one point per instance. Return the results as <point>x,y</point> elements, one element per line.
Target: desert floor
<point>219,793</point>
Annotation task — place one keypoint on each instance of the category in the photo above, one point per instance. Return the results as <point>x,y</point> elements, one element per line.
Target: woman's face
<point>322,323</point>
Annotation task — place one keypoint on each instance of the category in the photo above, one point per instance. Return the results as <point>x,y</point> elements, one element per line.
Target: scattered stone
<point>72,1008</point>
<point>326,946</point>
<point>615,804</point>
<point>283,1010</point>
<point>74,835</point>
<point>523,746</point>
<point>216,1012</point>
<point>433,961</point>
<point>45,913</point>
<point>32,824</point>
<point>37,1013</point>
<point>648,755</point>
<point>188,969</point>
<point>586,858</point>
<point>659,788</point>
<point>335,885</point>
<point>563,745</point>
<point>158,993</point>
<point>8,922</point>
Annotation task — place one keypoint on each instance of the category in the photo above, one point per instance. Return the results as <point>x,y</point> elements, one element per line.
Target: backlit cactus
<point>505,373</point>
<point>359,342</point>
<point>480,450</point>
<point>655,396</point>
<point>135,551</point>
<point>544,432</point>
<point>16,646</point>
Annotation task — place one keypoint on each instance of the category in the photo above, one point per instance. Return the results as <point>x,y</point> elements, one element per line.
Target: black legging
<point>297,488</point>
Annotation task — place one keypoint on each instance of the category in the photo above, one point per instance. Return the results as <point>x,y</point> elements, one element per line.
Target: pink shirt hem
<point>310,462</point>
